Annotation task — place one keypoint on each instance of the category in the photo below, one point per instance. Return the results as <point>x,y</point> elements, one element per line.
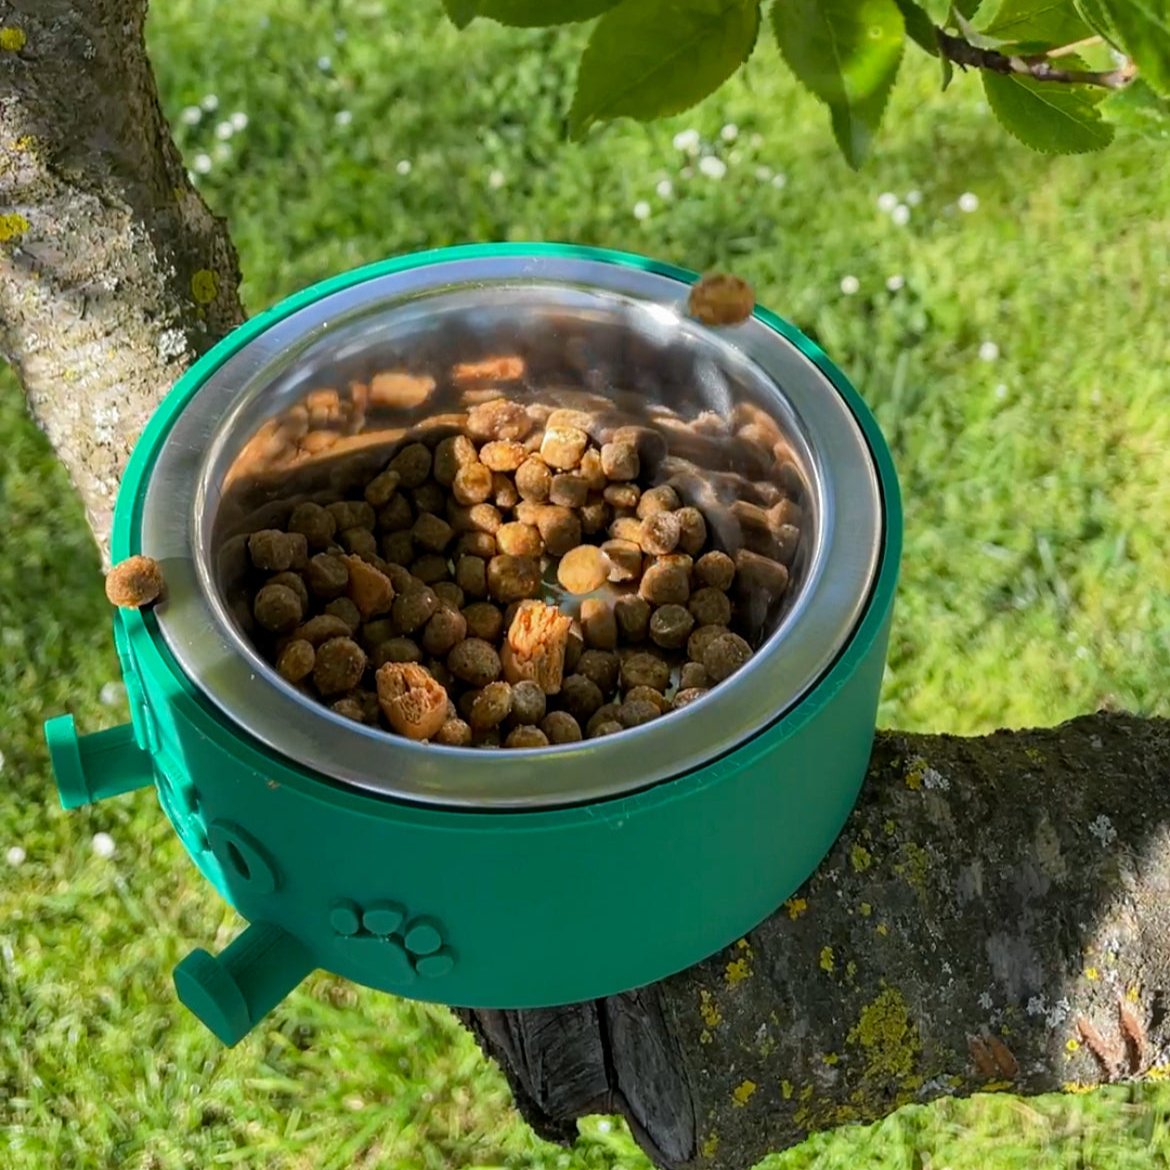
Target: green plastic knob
<point>89,768</point>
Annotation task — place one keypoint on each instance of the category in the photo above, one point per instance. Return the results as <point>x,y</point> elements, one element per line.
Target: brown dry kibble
<point>351,514</point>
<point>414,704</point>
<point>633,617</point>
<point>321,628</point>
<point>534,481</point>
<point>725,655</point>
<point>527,512</point>
<point>432,533</point>
<point>534,647</point>
<point>296,583</point>
<point>414,608</point>
<point>665,584</point>
<point>472,484</point>
<point>693,675</point>
<point>512,578</point>
<point>602,666</point>
<point>648,695</point>
<point>471,575</point>
<point>670,627</point>
<point>350,708</point>
<point>591,471</point>
<point>561,727</point>
<point>429,497</point>
<point>526,736</point>
<point>413,465</point>
<point>595,517</point>
<point>625,559</point>
<point>574,647</point>
<point>449,594</point>
<point>359,541</point>
<point>606,727</point>
<point>379,630</point>
<point>619,460</point>
<point>400,578</point>
<point>396,515</point>
<point>627,528</point>
<point>567,416</point>
<point>583,569</point>
<point>710,607</point>
<point>721,299</point>
<point>658,499</point>
<point>659,533</point>
<point>484,518</point>
<point>476,544</point>
<point>644,669</point>
<point>274,551</point>
<point>684,697</point>
<point>340,664</point>
<point>502,455</point>
<point>528,702</point>
<point>491,706</point>
<point>296,660</point>
<point>559,528</point>
<point>581,697</point>
<point>498,368</point>
<point>692,531</point>
<point>399,390</point>
<point>563,446</point>
<point>327,576</point>
<point>498,419</point>
<point>599,624</point>
<point>504,493</point>
<point>715,570</point>
<point>349,613</point>
<point>484,620</point>
<point>519,540</point>
<point>703,636</point>
<point>623,495</point>
<point>396,650</point>
<point>398,548</point>
<point>635,712</point>
<point>450,455</point>
<point>135,582</point>
<point>474,662</point>
<point>606,713</point>
<point>757,573</point>
<point>430,568</point>
<point>446,628</point>
<point>370,590</point>
<point>277,608</point>
<point>453,733</point>
<point>568,490</point>
<point>379,490</point>
<point>315,523</point>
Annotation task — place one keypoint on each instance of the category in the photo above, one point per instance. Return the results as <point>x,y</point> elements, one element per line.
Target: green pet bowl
<point>490,878</point>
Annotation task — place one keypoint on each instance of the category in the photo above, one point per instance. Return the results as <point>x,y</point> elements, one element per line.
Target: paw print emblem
<point>388,942</point>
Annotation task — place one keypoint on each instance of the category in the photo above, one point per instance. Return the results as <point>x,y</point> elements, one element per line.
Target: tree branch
<point>114,275</point>
<point>1040,68</point>
<point>995,916</point>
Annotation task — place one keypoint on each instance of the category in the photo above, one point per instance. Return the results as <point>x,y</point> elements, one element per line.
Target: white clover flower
<point>763,173</point>
<point>687,141</point>
<point>210,103</point>
<point>850,285</point>
<point>201,163</point>
<point>15,855</point>
<point>239,120</point>
<point>496,180</point>
<point>730,132</point>
<point>324,63</point>
<point>712,167</point>
<point>779,180</point>
<point>913,198</point>
<point>224,131</point>
<point>895,282</point>
<point>900,215</point>
<point>988,351</point>
<point>103,845</point>
<point>222,151</point>
<point>1001,391</point>
<point>343,117</point>
<point>191,116</point>
<point>968,202</point>
<point>887,201</point>
<point>664,189</point>
<point>641,209</point>
<point>404,166</point>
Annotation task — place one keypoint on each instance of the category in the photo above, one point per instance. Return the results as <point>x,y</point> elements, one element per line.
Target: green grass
<point>1033,586</point>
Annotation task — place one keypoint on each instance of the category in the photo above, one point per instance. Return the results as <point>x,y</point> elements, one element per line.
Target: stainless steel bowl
<point>738,412</point>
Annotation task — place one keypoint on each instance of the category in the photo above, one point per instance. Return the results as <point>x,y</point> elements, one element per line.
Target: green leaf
<point>1094,15</point>
<point>847,52</point>
<point>1140,110</point>
<point>1144,29</point>
<point>1042,24</point>
<point>650,58</point>
<point>541,13</point>
<point>967,8</point>
<point>461,12</point>
<point>919,26</point>
<point>1051,118</point>
<point>938,11</point>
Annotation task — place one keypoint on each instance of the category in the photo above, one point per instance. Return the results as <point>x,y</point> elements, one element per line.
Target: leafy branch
<point>1039,67</point>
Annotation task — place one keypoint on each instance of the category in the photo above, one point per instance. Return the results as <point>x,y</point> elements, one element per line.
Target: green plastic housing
<point>494,909</point>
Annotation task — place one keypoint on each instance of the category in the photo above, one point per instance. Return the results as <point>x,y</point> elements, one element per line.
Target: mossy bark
<point>114,275</point>
<point>995,917</point>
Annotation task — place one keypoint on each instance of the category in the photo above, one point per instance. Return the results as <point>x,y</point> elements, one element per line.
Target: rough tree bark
<point>994,916</point>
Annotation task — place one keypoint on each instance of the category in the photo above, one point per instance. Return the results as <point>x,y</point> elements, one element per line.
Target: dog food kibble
<point>721,299</point>
<point>276,552</point>
<point>134,582</point>
<point>528,702</point>
<point>296,660</point>
<point>671,626</point>
<point>583,569</point>
<point>415,603</point>
<point>340,664</point>
<point>725,655</point>
<point>561,727</point>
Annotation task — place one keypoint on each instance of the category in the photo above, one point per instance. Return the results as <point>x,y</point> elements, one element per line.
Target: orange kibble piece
<point>721,299</point>
<point>134,582</point>
<point>583,569</point>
